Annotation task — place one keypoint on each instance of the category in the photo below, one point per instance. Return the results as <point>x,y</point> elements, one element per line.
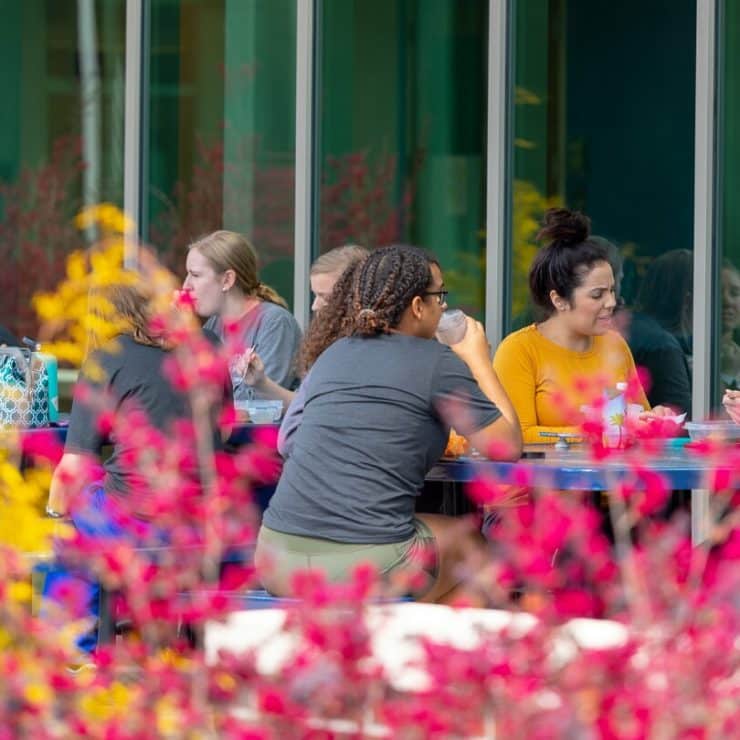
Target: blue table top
<point>572,469</point>
<point>241,434</point>
<point>576,470</point>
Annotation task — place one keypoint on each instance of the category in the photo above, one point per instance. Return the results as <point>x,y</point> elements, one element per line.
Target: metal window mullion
<point>496,170</point>
<point>704,179</point>
<point>704,212</point>
<point>304,156</point>
<point>132,138</point>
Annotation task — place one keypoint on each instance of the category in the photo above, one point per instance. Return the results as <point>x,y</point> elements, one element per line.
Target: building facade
<point>452,124</point>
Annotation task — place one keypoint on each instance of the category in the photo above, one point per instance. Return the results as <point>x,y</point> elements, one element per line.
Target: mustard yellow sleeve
<point>515,366</point>
<point>631,372</point>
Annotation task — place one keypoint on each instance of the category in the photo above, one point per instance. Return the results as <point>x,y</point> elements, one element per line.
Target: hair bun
<point>565,227</point>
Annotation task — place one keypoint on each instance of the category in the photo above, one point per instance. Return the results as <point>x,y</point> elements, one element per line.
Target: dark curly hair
<point>369,298</point>
<point>570,252</point>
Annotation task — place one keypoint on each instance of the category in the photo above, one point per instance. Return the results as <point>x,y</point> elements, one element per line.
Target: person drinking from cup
<point>554,368</point>
<point>376,418</point>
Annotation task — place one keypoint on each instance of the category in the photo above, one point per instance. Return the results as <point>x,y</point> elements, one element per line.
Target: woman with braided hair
<point>225,288</point>
<point>379,399</point>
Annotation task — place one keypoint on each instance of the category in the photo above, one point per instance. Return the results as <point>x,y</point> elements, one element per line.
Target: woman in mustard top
<point>551,369</point>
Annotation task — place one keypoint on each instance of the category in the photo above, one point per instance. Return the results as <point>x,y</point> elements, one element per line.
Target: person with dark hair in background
<point>552,368</point>
<point>659,332</point>
<point>729,349</point>
<point>375,420</point>
<point>534,314</point>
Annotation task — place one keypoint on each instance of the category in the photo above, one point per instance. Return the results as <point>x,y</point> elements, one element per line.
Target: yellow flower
<point>76,267</point>
<point>20,591</point>
<point>107,216</point>
<point>38,694</point>
<point>104,704</point>
<point>47,306</point>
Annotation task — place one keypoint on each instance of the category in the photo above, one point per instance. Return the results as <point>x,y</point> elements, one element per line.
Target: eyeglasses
<point>441,295</point>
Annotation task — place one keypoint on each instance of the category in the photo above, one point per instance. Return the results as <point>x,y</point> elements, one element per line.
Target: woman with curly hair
<point>379,400</point>
<point>325,272</point>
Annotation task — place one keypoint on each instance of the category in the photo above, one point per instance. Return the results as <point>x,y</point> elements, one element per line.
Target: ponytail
<point>266,293</point>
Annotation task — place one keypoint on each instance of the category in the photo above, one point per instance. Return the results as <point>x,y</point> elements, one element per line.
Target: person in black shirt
<point>125,398</point>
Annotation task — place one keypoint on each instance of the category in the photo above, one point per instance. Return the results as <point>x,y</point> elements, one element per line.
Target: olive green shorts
<point>279,555</point>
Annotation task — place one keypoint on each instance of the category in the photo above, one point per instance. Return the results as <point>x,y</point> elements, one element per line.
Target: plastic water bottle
<point>452,327</point>
<point>615,414</point>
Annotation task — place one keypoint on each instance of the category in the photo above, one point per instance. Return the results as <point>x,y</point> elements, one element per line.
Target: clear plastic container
<point>452,326</point>
<point>261,411</point>
<point>717,429</point>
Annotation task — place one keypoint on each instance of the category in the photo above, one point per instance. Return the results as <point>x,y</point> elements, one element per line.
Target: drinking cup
<point>452,327</point>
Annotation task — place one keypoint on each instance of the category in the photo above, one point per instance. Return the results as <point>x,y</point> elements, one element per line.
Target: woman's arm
<point>292,419</point>
<point>731,402</point>
<point>71,475</point>
<point>473,350</point>
<point>277,341</point>
<point>255,376</point>
<point>513,365</point>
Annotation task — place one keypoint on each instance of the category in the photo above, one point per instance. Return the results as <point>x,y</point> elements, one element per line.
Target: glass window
<point>402,121</point>
<point>603,122</point>
<point>221,137</point>
<point>61,138</point>
<point>727,304</point>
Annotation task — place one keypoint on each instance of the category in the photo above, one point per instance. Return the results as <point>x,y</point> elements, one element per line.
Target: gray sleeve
<point>276,342</point>
<point>83,433</point>
<point>457,399</point>
<point>292,419</point>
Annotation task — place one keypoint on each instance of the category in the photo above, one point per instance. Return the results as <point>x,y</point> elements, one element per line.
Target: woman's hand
<point>731,402</point>
<point>473,349</point>
<point>657,412</point>
<point>250,367</point>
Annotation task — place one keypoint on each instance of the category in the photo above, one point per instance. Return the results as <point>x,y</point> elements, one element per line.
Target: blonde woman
<point>225,287</point>
<point>326,270</point>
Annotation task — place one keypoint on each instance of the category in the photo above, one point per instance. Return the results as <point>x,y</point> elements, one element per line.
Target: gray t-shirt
<point>131,379</point>
<point>372,426</point>
<point>275,335</point>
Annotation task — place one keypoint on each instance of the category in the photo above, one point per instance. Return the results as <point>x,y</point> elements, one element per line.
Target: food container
<point>719,429</point>
<point>261,411</point>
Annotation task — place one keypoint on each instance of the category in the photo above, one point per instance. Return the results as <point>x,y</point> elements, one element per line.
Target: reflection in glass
<point>221,150</point>
<point>659,331</point>
<point>726,361</point>
<point>402,104</point>
<point>60,145</point>
<point>729,349</point>
<point>603,122</point>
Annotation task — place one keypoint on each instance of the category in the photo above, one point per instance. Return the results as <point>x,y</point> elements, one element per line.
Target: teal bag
<point>24,389</point>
